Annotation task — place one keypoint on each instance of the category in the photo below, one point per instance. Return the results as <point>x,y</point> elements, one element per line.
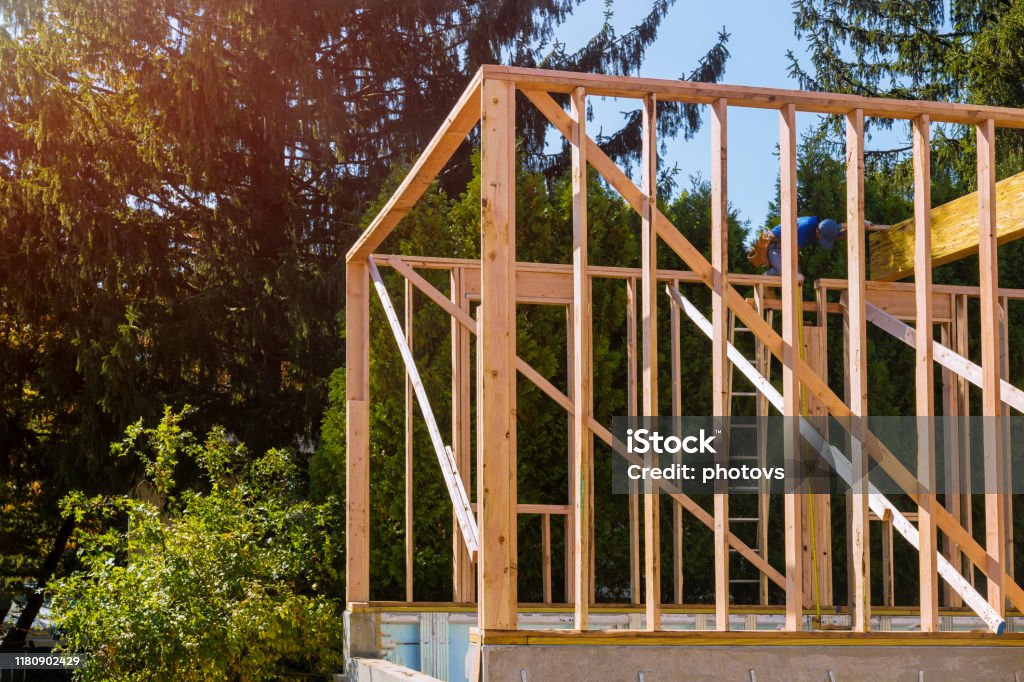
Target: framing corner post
<point>925,377</point>
<point>582,394</point>
<point>649,320</point>
<point>496,452</point>
<point>856,349</point>
<point>791,299</point>
<point>357,431</point>
<point>991,401</point>
<point>720,339</point>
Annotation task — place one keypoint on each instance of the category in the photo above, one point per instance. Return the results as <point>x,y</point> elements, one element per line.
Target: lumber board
<point>675,372</point>
<point>582,389</point>
<point>752,97</point>
<point>357,431</point>
<point>409,473</point>
<point>733,639</point>
<point>719,340</point>
<point>791,323</point>
<point>954,231</point>
<point>924,373</point>
<point>631,409</point>
<point>991,401</point>
<point>649,348</point>
<point>457,125</point>
<point>496,445</point>
<point>463,571</point>
<point>857,373</point>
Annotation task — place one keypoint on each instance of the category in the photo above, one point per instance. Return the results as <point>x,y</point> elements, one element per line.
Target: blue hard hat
<point>828,233</point>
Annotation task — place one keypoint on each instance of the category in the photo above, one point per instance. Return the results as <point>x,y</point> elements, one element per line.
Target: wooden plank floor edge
<point>739,638</point>
<point>667,608</point>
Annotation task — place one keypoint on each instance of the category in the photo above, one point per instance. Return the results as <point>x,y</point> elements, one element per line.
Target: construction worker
<point>809,231</point>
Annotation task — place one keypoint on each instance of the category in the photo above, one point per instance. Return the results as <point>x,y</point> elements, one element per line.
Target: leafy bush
<point>198,585</point>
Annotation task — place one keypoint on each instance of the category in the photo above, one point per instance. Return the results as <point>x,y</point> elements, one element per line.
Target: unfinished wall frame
<point>498,282</point>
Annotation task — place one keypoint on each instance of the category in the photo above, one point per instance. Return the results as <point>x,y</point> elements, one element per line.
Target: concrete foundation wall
<point>376,670</point>
<point>579,663</point>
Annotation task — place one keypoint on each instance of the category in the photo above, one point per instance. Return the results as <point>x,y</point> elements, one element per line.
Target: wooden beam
<point>409,476</point>
<point>357,431</point>
<point>951,460</point>
<point>1007,431</point>
<point>719,345</point>
<point>791,322</point>
<point>888,574</point>
<point>961,327</point>
<point>533,285</point>
<point>563,271</point>
<point>925,378</point>
<point>649,359</point>
<point>496,450</point>
<point>953,236</point>
<point>988,272</point>
<point>907,288</point>
<point>857,346</point>
<point>600,85</point>
<point>583,403</point>
<point>464,578</point>
<point>676,368</point>
<point>545,548</point>
<point>446,140</point>
<point>632,410</point>
<point>570,529</point>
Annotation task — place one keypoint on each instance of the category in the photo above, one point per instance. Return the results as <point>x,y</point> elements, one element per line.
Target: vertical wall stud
<point>464,579</point>
<point>857,369</point>
<point>632,410</point>
<point>925,377</point>
<point>719,347</point>
<point>649,317</point>
<point>496,451</point>
<point>357,431</point>
<point>582,392</point>
<point>791,300</point>
<point>991,403</point>
<point>409,477</point>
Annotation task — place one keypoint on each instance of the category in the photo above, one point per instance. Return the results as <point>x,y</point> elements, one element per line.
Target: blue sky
<point>761,31</point>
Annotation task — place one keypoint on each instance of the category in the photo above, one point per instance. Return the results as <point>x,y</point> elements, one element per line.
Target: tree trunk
<point>15,638</point>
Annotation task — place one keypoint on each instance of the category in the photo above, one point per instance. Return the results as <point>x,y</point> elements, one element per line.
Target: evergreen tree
<point>179,181</point>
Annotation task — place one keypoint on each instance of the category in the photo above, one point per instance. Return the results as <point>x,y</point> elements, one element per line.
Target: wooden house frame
<point>485,546</point>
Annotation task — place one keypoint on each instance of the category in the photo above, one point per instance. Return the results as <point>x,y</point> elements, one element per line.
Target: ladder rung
<point>744,394</point>
<point>744,581</point>
<point>743,458</point>
<point>741,329</point>
<point>757,550</point>
<point>743,426</point>
<point>743,519</point>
